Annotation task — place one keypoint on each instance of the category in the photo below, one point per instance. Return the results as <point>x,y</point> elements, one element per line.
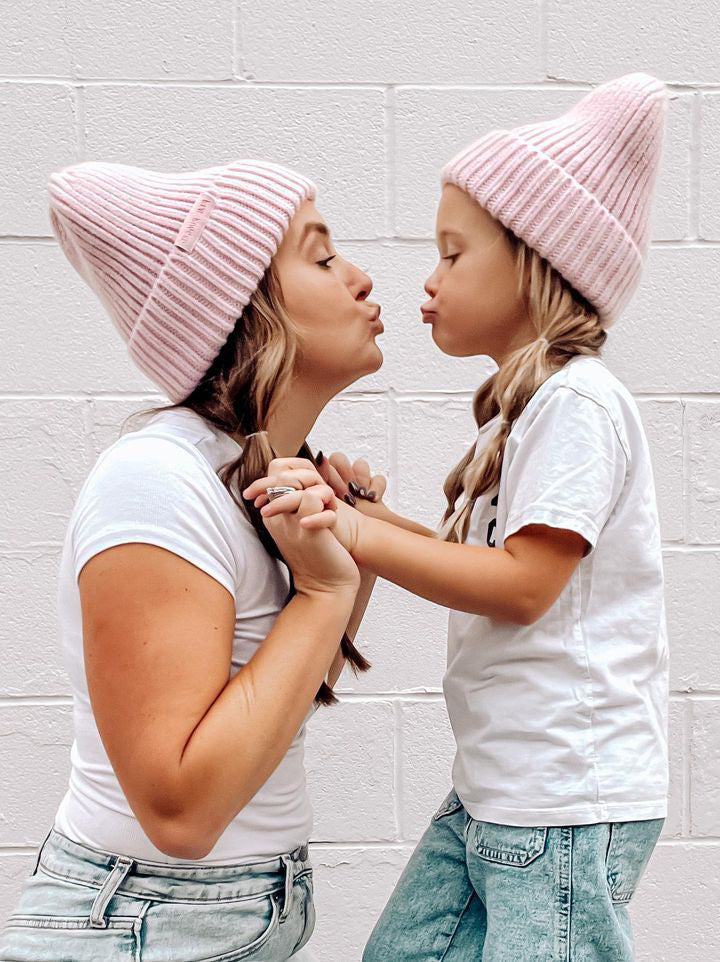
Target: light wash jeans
<point>84,905</point>
<point>477,891</point>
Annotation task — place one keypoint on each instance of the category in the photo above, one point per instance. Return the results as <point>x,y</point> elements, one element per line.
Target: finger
<point>317,499</point>
<point>313,522</point>
<point>342,465</point>
<point>335,481</point>
<point>362,472</point>
<point>297,478</point>
<point>285,504</point>
<point>378,484</point>
<point>285,464</point>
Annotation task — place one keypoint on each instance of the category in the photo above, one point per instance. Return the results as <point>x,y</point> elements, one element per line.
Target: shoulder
<point>584,388</point>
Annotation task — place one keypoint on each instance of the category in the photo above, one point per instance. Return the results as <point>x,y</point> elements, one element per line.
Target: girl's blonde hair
<point>239,394</point>
<point>566,326</point>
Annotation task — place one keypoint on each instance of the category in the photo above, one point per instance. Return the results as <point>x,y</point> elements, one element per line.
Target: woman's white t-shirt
<point>564,721</point>
<point>159,485</point>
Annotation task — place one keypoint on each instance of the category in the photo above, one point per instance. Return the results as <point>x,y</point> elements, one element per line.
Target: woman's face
<point>327,298</point>
<point>474,305</point>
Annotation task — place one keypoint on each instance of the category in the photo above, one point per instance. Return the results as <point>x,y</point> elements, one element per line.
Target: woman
<point>199,639</point>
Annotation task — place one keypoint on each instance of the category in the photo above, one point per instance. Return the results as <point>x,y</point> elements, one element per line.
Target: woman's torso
<point>94,810</point>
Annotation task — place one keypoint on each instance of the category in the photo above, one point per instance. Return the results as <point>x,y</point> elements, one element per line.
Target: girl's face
<point>474,305</point>
<point>327,298</point>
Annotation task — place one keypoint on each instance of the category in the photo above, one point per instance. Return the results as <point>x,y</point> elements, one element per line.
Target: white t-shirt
<point>564,721</point>
<point>159,485</point>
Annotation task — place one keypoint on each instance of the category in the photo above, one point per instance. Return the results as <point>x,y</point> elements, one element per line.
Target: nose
<point>363,285</point>
<point>430,286</point>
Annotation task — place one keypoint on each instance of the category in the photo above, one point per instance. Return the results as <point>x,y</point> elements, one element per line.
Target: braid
<point>567,326</point>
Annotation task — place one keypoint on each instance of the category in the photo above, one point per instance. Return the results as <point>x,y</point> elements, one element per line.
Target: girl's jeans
<point>84,905</point>
<point>475,890</point>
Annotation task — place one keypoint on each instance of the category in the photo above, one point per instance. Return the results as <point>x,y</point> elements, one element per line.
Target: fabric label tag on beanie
<point>195,220</point>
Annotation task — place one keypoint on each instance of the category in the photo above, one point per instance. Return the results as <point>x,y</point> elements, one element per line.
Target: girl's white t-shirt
<point>159,485</point>
<point>564,721</point>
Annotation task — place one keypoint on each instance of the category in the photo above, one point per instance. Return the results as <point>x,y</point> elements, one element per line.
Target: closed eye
<point>326,261</point>
<point>450,257</point>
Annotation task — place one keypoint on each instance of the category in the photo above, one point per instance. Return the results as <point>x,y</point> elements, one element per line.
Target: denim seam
<point>457,924</point>
<point>565,861</point>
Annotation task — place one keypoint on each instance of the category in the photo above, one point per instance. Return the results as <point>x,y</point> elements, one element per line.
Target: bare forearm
<point>362,599</point>
<point>474,578</point>
<point>409,525</point>
<point>248,729</point>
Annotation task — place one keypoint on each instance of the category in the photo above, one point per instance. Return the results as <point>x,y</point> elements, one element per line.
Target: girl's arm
<point>516,583</point>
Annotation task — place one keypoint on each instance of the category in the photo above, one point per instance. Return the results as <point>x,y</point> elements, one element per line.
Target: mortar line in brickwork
<point>694,172</point>
<point>686,766</point>
<point>398,780</point>
<point>390,159</point>
<point>400,240</point>
<point>685,473</point>
<point>543,28</point>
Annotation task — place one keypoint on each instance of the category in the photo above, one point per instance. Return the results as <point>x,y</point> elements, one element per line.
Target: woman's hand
<point>299,523</point>
<point>355,479</point>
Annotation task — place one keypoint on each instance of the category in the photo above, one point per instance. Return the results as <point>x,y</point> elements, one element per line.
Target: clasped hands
<point>334,494</point>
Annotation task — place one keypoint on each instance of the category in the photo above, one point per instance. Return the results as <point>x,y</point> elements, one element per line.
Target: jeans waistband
<point>111,872</point>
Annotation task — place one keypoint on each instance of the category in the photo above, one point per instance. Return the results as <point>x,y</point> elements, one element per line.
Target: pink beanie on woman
<point>174,257</point>
<point>578,188</point>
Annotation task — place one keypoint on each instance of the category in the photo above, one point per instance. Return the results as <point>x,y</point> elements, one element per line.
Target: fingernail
<point>371,495</point>
<point>319,458</point>
<point>363,492</point>
<point>348,498</point>
<point>354,488</point>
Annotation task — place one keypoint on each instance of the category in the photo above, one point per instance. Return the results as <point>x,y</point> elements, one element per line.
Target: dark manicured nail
<point>363,492</point>
<point>319,458</point>
<point>348,498</point>
<point>354,488</point>
<point>371,495</point>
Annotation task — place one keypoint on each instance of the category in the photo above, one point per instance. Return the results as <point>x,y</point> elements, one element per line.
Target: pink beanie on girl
<point>578,188</point>
<point>174,257</point>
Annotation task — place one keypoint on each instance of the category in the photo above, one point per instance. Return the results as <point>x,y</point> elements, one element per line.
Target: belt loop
<point>39,851</point>
<point>112,883</point>
<point>289,880</point>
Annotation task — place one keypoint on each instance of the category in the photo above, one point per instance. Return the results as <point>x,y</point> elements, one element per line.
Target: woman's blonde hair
<point>239,394</point>
<point>566,325</point>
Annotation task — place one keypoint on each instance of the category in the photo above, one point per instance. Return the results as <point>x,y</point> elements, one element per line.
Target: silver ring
<point>278,492</point>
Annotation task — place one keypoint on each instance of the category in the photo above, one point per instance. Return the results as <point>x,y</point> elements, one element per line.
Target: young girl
<point>183,833</point>
<point>549,555</point>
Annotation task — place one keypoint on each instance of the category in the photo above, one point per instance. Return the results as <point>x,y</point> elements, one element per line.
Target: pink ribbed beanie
<point>174,257</point>
<point>578,188</point>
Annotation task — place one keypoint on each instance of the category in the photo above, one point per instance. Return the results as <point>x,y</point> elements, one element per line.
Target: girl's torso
<point>564,721</point>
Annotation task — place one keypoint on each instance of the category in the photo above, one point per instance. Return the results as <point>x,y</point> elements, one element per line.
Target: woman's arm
<point>362,599</point>
<point>190,746</point>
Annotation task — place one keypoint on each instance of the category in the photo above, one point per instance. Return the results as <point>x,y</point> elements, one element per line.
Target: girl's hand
<point>343,520</point>
<point>299,523</point>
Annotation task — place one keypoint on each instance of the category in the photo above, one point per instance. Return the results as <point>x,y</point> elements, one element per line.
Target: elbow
<point>176,839</point>
<point>525,610</point>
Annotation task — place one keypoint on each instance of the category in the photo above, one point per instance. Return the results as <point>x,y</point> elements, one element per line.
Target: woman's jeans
<point>84,905</point>
<point>475,890</point>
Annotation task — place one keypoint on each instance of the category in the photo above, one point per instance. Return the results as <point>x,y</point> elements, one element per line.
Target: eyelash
<point>450,257</point>
<point>325,263</point>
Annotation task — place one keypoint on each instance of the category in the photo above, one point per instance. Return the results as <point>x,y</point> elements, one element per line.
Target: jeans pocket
<point>451,803</point>
<point>629,849</point>
<point>513,845</point>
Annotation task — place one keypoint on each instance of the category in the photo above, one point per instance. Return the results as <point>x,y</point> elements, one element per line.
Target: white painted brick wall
<point>369,99</point>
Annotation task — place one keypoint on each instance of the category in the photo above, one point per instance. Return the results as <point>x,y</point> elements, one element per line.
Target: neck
<point>294,417</point>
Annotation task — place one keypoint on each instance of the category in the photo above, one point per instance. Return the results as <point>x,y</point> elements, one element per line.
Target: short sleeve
<point>157,491</point>
<point>568,468</point>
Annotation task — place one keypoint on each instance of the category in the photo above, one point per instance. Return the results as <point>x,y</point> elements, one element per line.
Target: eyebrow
<point>313,225</point>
